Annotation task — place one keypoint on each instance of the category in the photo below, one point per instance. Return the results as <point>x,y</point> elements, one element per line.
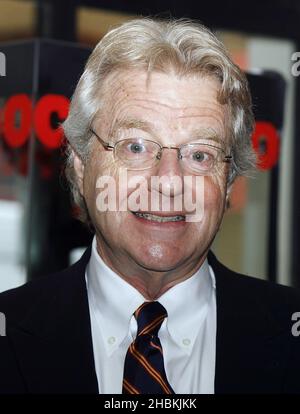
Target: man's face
<point>172,111</point>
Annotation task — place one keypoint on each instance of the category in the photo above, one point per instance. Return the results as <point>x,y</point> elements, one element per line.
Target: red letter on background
<point>17,136</point>
<point>50,137</point>
<point>267,132</point>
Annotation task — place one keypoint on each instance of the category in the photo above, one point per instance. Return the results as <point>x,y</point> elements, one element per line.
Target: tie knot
<point>149,317</point>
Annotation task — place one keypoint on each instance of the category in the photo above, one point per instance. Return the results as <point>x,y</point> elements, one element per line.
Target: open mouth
<point>159,219</point>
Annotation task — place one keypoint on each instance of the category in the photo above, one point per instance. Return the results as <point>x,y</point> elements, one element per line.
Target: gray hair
<point>151,44</point>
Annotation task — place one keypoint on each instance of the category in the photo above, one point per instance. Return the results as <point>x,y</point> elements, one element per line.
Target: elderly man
<point>158,129</point>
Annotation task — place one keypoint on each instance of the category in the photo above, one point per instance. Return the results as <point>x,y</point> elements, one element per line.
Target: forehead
<point>162,99</point>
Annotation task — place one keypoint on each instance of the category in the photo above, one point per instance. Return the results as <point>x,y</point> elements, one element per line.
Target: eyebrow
<point>135,123</point>
<point>206,134</point>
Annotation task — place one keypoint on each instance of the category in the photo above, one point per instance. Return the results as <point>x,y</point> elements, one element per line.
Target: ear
<point>229,185</point>
<point>79,171</point>
<point>228,192</point>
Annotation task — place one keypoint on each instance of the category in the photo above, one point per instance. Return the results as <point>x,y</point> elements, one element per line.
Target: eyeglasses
<point>141,154</point>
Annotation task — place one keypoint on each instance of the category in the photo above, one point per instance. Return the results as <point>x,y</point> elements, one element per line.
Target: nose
<point>170,169</point>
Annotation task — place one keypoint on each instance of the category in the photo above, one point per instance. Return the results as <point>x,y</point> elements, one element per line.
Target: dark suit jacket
<point>48,346</point>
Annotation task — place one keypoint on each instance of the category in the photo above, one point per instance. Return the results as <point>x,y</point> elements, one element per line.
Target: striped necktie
<point>144,371</point>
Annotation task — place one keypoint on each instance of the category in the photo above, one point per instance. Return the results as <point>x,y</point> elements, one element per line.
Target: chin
<point>158,263</point>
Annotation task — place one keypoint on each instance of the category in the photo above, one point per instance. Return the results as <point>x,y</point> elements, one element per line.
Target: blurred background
<point>43,48</point>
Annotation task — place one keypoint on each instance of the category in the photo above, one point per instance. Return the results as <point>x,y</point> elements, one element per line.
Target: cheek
<point>97,168</point>
<point>214,194</point>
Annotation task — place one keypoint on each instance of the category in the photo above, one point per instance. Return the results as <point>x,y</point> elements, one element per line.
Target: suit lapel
<point>53,344</point>
<point>250,347</point>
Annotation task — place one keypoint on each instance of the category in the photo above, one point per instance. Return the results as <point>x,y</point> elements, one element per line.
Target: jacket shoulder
<point>15,303</point>
<point>252,292</point>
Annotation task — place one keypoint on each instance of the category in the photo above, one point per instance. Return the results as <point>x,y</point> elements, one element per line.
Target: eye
<point>201,156</point>
<point>136,147</point>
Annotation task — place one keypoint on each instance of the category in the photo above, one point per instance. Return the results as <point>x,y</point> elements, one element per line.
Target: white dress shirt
<point>187,335</point>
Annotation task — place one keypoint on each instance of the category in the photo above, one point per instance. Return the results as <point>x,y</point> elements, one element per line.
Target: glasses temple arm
<point>105,144</point>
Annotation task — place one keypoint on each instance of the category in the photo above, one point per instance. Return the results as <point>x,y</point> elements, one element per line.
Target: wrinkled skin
<point>149,255</point>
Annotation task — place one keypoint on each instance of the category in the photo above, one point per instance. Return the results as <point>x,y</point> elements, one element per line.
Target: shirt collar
<point>187,305</point>
<point>114,301</point>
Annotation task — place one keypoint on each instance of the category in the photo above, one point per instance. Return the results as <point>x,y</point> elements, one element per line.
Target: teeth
<point>160,219</point>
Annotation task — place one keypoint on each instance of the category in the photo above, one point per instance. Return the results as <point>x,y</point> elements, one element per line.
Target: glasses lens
<point>200,158</point>
<point>137,152</point>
